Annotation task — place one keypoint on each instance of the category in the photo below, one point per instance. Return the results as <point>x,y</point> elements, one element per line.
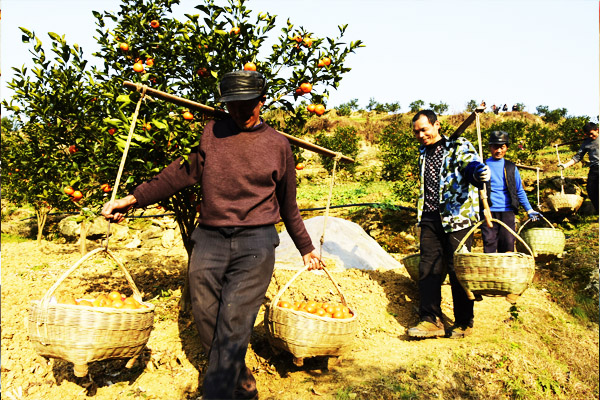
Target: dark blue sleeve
<point>469,172</point>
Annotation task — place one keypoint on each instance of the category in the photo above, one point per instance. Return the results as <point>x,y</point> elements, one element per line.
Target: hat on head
<point>242,85</point>
<point>499,137</point>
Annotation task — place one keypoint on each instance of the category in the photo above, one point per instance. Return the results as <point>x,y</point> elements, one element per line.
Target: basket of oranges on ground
<point>80,331</point>
<point>311,328</point>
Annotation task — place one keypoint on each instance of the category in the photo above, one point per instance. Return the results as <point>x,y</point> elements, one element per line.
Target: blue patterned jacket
<point>458,197</point>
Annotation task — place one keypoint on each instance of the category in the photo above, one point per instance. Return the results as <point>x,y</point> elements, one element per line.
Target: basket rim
<point>107,310</point>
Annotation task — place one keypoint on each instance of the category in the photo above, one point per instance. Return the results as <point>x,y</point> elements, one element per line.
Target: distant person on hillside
<point>505,193</point>
<point>504,108</point>
<point>495,109</point>
<point>448,205</point>
<point>515,107</point>
<point>590,146</point>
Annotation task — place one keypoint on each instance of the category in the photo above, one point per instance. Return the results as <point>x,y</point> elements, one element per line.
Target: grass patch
<point>9,238</point>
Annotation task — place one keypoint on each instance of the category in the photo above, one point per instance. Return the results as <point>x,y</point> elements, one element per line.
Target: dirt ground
<point>172,365</point>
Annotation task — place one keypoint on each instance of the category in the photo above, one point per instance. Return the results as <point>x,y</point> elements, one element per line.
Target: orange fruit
<point>154,23</point>
<point>114,295</point>
<point>311,108</point>
<point>308,42</point>
<point>299,92</point>
<point>297,38</point>
<point>250,66</point>
<point>306,87</point>
<point>150,62</point>
<point>77,195</point>
<point>86,303</point>
<point>117,304</point>
<point>320,63</point>
<point>69,190</point>
<point>126,306</point>
<point>188,115</point>
<point>235,30</point>
<point>131,300</point>
<point>68,300</point>
<point>107,188</point>
<point>330,309</point>
<point>319,109</point>
<point>112,131</point>
<point>320,312</point>
<point>72,150</point>
<point>202,72</point>
<point>338,315</point>
<point>138,67</point>
<point>124,46</point>
<point>284,304</point>
<point>299,166</point>
<point>326,61</point>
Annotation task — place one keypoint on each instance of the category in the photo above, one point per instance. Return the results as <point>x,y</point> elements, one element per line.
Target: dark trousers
<point>437,252</point>
<point>497,238</point>
<point>229,272</point>
<point>592,187</point>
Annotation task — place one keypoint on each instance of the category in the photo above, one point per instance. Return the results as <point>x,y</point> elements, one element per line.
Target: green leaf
<point>55,37</point>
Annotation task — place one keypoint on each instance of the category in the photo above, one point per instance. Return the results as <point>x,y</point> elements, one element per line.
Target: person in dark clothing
<point>448,205</point>
<point>590,146</point>
<point>505,108</point>
<point>247,173</point>
<point>505,193</point>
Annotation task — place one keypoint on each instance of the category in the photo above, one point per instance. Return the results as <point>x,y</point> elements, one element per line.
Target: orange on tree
<point>150,62</point>
<point>299,92</point>
<point>308,42</point>
<point>297,38</point>
<point>299,166</point>
<point>319,109</point>
<point>235,30</point>
<point>154,23</point>
<point>69,190</point>
<point>105,187</point>
<point>250,66</point>
<point>321,63</point>
<point>124,46</point>
<point>72,149</point>
<point>306,87</point>
<point>138,67</point>
<point>203,72</point>
<point>188,115</point>
<point>112,131</point>
<point>77,195</point>
<point>311,108</point>
<point>326,61</point>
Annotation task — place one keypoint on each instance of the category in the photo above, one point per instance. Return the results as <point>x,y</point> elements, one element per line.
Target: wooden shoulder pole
<point>220,114</point>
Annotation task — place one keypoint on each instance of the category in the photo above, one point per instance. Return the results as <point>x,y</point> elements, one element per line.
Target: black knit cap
<point>499,137</point>
<point>242,85</point>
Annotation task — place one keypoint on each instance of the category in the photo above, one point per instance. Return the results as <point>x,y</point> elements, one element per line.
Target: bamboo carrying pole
<point>487,214</point>
<point>213,112</point>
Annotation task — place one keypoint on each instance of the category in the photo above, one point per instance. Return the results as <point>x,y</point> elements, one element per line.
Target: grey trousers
<point>229,272</point>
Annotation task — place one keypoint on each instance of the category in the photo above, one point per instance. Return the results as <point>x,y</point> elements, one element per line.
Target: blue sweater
<point>500,197</point>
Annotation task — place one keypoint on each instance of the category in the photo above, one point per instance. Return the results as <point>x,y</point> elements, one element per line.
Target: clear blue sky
<point>536,52</point>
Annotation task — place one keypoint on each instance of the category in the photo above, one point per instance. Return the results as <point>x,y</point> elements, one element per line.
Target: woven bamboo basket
<point>411,263</point>
<point>308,335</point>
<point>493,274</point>
<point>561,202</point>
<point>82,334</point>
<point>544,241</point>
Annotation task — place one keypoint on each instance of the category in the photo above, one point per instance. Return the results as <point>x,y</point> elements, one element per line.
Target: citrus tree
<point>52,155</point>
<point>143,43</point>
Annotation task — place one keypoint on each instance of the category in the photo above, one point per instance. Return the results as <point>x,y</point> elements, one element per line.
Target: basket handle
<point>462,242</point>
<point>287,285</point>
<point>136,293</point>
<point>526,222</point>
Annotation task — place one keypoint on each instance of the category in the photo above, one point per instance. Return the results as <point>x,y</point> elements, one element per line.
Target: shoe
<point>460,331</point>
<point>426,329</point>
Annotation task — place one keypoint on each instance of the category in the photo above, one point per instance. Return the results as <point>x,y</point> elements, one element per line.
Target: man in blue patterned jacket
<point>448,205</point>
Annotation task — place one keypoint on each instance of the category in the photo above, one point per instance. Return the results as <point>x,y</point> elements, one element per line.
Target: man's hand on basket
<point>313,260</point>
<point>534,215</point>
<point>115,210</point>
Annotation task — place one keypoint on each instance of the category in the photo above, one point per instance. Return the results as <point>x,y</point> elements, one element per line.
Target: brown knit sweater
<point>247,179</point>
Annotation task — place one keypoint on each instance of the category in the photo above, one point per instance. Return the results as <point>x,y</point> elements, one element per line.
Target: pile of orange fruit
<point>327,309</point>
<point>113,300</point>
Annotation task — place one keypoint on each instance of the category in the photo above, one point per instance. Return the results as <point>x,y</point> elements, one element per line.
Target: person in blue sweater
<point>505,193</point>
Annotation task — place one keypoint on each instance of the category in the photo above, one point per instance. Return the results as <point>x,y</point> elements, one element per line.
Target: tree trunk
<point>83,237</point>
<point>41,216</point>
<point>185,215</point>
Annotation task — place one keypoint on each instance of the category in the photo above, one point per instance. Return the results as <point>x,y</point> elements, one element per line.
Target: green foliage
<point>439,108</point>
<point>383,107</point>
<point>571,129</point>
<point>344,140</point>
<point>471,106</point>
<point>520,107</point>
<point>345,109</point>
<point>526,139</point>
<point>551,116</point>
<point>416,106</point>
<point>399,155</point>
